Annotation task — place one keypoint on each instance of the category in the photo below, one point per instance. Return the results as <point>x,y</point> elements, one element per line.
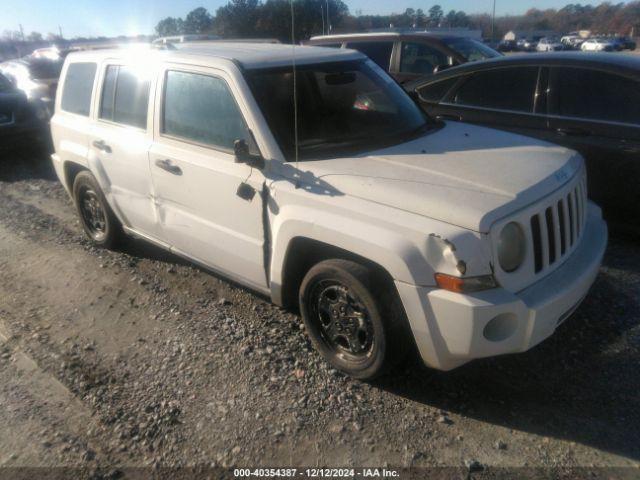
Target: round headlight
<point>511,247</point>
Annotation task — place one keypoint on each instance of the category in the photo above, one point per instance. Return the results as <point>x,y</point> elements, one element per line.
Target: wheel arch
<point>71,170</point>
<point>304,252</point>
<point>298,243</point>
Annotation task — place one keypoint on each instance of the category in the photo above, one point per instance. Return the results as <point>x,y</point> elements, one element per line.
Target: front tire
<point>98,221</point>
<point>350,318</point>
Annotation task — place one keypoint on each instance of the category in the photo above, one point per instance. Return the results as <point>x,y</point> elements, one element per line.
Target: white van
<point>385,228</point>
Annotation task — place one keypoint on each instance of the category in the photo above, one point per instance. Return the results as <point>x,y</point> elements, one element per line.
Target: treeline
<point>272,18</point>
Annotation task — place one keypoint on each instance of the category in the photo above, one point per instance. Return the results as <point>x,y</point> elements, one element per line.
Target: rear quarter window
<point>78,87</point>
<point>434,92</point>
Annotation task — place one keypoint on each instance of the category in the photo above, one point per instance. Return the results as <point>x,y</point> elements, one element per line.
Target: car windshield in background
<point>470,49</point>
<point>343,107</point>
<point>43,69</point>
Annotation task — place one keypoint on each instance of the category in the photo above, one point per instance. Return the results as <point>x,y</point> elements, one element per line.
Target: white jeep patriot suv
<point>387,229</point>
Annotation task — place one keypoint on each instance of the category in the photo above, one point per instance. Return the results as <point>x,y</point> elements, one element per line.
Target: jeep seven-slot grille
<point>556,229</point>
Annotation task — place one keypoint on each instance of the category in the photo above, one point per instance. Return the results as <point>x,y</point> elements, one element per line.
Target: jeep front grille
<point>556,229</point>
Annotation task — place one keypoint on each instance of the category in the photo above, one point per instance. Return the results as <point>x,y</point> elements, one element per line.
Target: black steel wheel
<point>93,215</point>
<point>344,322</point>
<point>98,221</point>
<point>343,309</point>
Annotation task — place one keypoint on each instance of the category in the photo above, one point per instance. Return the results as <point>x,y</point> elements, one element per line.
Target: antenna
<point>295,92</point>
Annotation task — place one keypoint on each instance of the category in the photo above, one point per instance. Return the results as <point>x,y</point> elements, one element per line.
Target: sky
<point>131,17</point>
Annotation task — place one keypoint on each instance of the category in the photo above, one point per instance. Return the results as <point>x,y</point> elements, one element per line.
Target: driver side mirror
<point>243,155</point>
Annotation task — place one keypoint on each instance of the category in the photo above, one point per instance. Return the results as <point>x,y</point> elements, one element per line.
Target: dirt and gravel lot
<point>112,360</point>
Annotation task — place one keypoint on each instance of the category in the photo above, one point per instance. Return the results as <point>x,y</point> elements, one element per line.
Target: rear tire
<point>98,220</point>
<point>351,318</point>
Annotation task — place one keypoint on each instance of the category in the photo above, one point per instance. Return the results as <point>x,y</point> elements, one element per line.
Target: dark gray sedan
<point>21,121</point>
<point>587,102</point>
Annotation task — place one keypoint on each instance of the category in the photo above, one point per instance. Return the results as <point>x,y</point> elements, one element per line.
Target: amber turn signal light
<point>464,285</point>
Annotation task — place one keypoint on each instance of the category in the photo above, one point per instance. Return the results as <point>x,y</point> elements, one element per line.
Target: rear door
<point>120,142</point>
<point>597,113</point>
<point>506,98</point>
<point>196,178</point>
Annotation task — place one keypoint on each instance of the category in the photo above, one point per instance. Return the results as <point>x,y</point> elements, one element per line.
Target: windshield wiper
<point>425,127</point>
<point>339,142</point>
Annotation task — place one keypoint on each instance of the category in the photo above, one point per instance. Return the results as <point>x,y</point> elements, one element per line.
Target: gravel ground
<point>134,358</point>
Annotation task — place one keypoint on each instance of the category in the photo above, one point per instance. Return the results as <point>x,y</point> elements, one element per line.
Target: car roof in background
<point>609,61</point>
<point>382,35</point>
<point>249,55</point>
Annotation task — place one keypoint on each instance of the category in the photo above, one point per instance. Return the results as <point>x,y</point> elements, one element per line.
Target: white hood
<point>461,174</point>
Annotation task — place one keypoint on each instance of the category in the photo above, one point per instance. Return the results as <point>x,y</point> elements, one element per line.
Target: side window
<point>421,58</point>
<point>597,95</point>
<point>434,92</point>
<point>125,96</point>
<point>77,89</point>
<point>201,108</point>
<point>379,52</point>
<point>328,45</point>
<point>504,88</point>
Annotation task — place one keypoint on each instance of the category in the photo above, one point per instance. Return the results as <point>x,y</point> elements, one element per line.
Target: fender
<point>396,254</point>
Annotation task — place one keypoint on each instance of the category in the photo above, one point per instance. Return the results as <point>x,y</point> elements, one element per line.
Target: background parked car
<point>627,43</point>
<point>572,42</point>
<point>621,43</point>
<point>507,46</point>
<point>598,45</point>
<point>549,44</point>
<point>527,45</point>
<point>36,77</point>
<point>407,56</point>
<point>582,101</point>
<point>20,121</point>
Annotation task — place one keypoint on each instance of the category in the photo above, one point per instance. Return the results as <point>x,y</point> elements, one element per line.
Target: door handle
<point>572,131</point>
<point>168,166</point>
<point>100,145</point>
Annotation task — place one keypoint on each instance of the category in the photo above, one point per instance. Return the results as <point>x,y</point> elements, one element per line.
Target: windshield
<point>470,49</point>
<point>43,69</point>
<point>343,107</point>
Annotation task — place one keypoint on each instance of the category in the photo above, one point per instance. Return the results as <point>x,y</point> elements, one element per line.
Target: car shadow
<point>143,250</point>
<point>25,162</point>
<point>582,384</point>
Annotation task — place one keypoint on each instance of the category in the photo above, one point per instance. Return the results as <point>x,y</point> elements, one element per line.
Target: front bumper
<point>451,329</point>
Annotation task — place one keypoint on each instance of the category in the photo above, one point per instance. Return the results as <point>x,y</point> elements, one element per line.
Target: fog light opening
<point>501,327</point>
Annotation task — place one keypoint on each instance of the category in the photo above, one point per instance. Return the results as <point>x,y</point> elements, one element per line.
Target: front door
<point>196,180</point>
<point>505,98</point>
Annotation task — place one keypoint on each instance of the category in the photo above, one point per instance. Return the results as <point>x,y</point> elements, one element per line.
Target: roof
<point>341,36</point>
<point>629,64</point>
<point>378,35</point>
<point>249,55</point>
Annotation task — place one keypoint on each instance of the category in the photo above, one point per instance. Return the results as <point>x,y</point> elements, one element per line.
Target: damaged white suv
<point>386,229</point>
